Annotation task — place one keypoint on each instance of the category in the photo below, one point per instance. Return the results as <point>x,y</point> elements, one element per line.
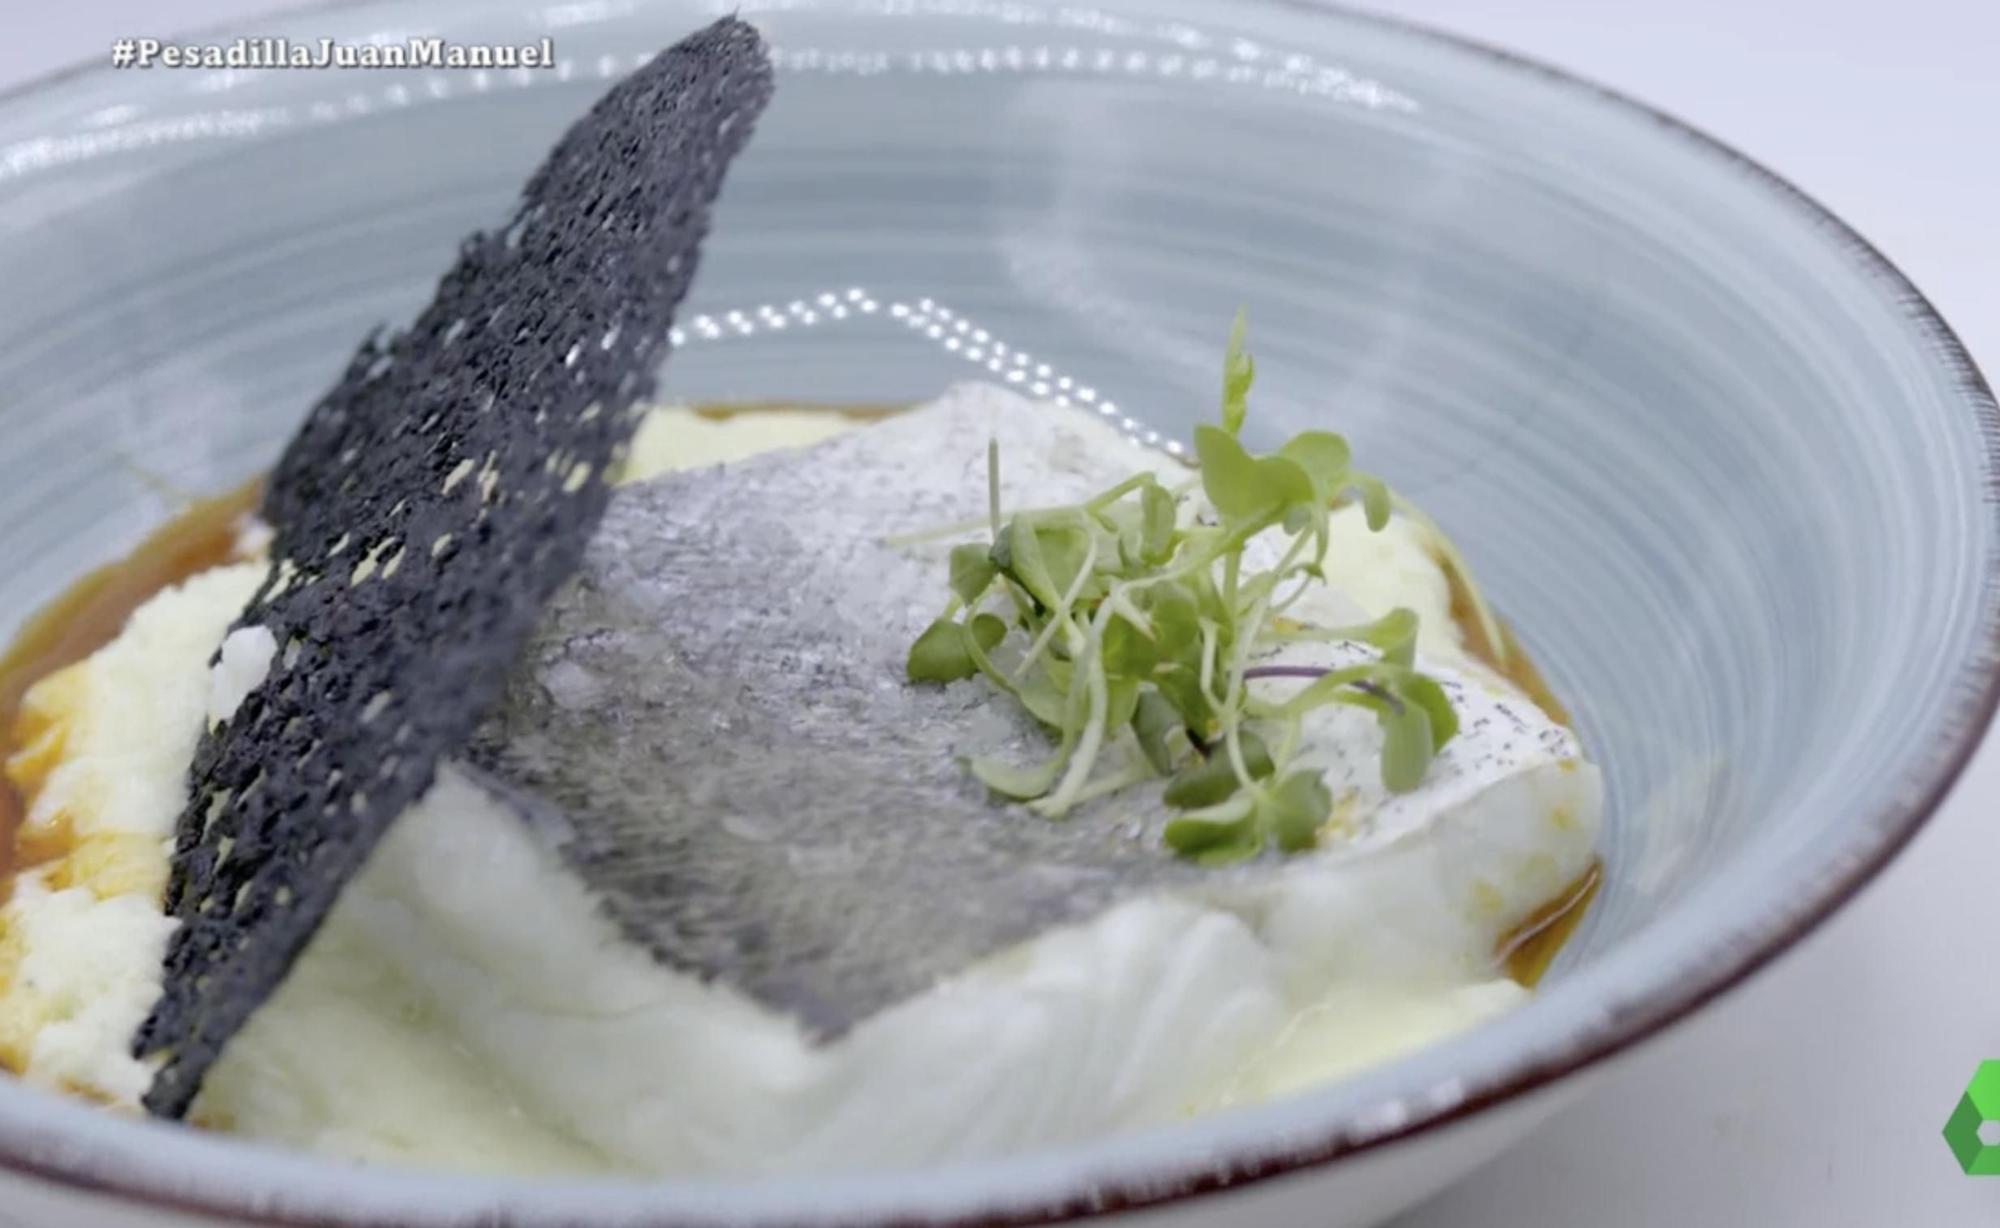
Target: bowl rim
<point>1972,701</point>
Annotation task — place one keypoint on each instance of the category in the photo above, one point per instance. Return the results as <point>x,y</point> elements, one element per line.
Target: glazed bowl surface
<point>1718,463</point>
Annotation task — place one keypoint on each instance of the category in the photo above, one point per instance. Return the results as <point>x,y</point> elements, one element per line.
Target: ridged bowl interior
<point>1708,453</point>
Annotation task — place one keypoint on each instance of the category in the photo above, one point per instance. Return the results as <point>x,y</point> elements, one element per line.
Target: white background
<point>1813,1096</point>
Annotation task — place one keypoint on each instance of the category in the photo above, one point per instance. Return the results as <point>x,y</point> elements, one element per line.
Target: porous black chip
<point>429,507</point>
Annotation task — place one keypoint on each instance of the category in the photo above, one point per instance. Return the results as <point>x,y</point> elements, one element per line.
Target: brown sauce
<point>860,412</point>
<point>1506,657</point>
<point>203,535</point>
<point>88,616</point>
<point>1527,950</point>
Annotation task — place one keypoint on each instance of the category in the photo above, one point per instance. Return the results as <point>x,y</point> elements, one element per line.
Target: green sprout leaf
<point>1407,743</point>
<point>1239,371</point>
<point>1128,652</point>
<point>1323,455</point>
<point>972,571</point>
<point>1156,525</point>
<point>1208,781</point>
<point>1375,500</point>
<point>1180,686</point>
<point>1217,835</point>
<point>1176,615</point>
<point>1012,780</point>
<point>1043,557</point>
<point>1395,633</point>
<point>1229,475</point>
<point>1243,487</point>
<point>1330,687</point>
<point>1295,810</point>
<point>1064,549</point>
<point>1017,554</point>
<point>1044,700</point>
<point>1153,721</point>
<point>988,630</point>
<point>940,654</point>
<point>1121,702</point>
<point>1424,691</point>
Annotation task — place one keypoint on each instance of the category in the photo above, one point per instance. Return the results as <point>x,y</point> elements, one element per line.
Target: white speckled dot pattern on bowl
<point>1715,460</point>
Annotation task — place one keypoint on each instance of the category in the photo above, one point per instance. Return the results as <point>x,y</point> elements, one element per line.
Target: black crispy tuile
<point>530,362</point>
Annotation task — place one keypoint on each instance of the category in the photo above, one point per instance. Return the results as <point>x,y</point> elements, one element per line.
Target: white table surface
<point>1814,1095</point>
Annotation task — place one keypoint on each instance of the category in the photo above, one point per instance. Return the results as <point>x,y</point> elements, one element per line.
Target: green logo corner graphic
<point>1979,1105</point>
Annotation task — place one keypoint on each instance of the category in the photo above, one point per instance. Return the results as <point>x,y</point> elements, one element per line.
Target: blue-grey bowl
<point>1716,459</point>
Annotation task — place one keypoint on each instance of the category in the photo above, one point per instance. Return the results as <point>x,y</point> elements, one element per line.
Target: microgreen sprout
<point>1135,619</point>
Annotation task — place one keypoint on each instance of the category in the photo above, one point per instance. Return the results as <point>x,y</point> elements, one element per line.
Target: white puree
<point>465,1006</point>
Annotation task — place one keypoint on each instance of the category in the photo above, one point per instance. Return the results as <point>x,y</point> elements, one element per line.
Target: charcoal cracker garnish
<point>428,508</point>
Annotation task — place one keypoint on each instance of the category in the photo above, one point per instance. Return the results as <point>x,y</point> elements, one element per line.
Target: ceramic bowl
<point>1722,466</point>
